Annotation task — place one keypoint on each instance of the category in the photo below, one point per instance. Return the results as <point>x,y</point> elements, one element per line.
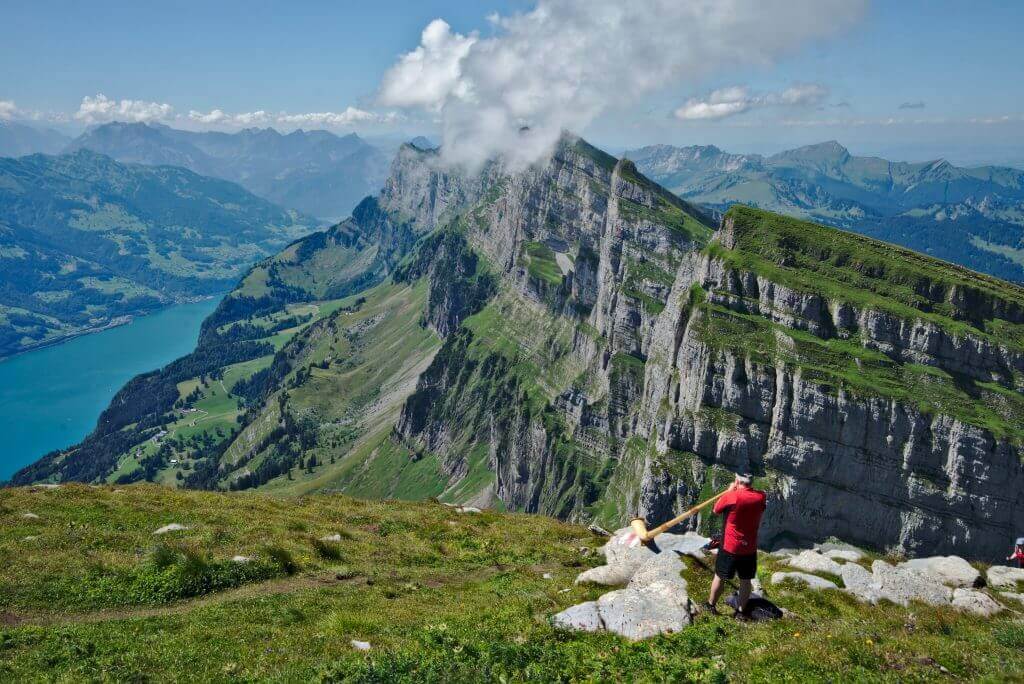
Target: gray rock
<point>30,516</point>
<point>860,583</point>
<point>468,509</point>
<point>241,559</point>
<point>812,561</point>
<point>840,550</point>
<point>583,617</point>
<point>977,602</point>
<point>848,555</point>
<point>173,527</point>
<point>664,567</point>
<point>547,576</point>
<point>901,586</point>
<point>331,538</point>
<point>360,645</point>
<point>618,549</point>
<point>688,544</point>
<point>608,575</point>
<point>951,570</point>
<point>1013,596</point>
<point>786,553</point>
<point>658,608</point>
<point>1004,577</point>
<point>812,581</point>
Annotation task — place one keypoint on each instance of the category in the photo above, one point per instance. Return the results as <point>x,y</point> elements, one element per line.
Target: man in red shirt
<point>743,506</point>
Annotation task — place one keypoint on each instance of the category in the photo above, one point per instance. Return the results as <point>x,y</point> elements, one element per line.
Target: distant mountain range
<point>973,216</point>
<point>18,139</point>
<point>85,240</point>
<point>315,172</point>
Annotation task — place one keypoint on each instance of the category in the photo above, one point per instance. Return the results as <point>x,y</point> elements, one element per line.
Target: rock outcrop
<point>657,363</point>
<point>654,600</point>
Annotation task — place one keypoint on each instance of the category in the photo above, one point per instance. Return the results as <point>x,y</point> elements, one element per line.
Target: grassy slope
<point>441,596</point>
<point>869,273</point>
<point>379,353</point>
<point>843,267</point>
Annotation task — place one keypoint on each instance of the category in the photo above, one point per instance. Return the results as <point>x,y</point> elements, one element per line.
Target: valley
<point>50,398</point>
<point>86,242</point>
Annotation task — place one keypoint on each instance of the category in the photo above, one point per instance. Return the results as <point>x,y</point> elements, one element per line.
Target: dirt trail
<point>285,585</point>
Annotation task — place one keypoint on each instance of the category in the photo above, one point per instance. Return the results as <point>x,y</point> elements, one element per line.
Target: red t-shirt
<point>744,506</point>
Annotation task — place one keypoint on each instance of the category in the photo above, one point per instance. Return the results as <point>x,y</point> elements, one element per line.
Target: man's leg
<point>717,585</point>
<point>745,589</point>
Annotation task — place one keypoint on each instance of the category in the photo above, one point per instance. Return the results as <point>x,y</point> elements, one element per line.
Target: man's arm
<point>725,502</point>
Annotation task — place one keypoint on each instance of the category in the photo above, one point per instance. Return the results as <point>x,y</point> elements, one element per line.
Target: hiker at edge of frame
<point>743,507</point>
<point>1018,553</point>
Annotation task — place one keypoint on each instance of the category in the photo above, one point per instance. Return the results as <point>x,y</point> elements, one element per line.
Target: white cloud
<point>215,116</point>
<point>565,62</point>
<point>738,99</point>
<point>101,109</point>
<point>431,73</point>
<point>348,117</point>
<point>8,110</point>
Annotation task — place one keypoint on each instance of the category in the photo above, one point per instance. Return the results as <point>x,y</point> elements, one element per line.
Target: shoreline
<point>116,322</point>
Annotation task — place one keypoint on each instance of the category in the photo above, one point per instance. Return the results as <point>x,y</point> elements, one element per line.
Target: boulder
<point>1019,598</point>
<point>860,583</point>
<point>840,551</point>
<point>618,550</point>
<point>658,608</point>
<point>977,602</point>
<point>901,586</point>
<point>607,575</point>
<point>173,527</point>
<point>581,618</point>
<point>812,561</point>
<point>1004,577</point>
<point>848,555</point>
<point>951,570</point>
<point>785,553</point>
<point>664,567</point>
<point>812,581</point>
<point>687,544</point>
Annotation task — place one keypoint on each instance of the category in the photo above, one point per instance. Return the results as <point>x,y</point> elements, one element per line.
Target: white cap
<point>744,478</point>
<point>1020,541</point>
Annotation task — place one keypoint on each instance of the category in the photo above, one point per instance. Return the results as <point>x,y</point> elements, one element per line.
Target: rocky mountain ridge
<point>588,348</point>
<point>315,172</point>
<point>971,216</point>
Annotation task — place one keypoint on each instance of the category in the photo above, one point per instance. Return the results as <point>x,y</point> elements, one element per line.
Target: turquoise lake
<point>51,398</point>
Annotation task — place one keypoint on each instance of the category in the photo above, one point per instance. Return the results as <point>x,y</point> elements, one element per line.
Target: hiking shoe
<point>709,608</point>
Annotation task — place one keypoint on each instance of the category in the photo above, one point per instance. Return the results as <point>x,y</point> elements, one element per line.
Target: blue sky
<point>909,79</point>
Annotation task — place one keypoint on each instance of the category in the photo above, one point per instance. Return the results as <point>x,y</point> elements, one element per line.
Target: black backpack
<point>758,608</point>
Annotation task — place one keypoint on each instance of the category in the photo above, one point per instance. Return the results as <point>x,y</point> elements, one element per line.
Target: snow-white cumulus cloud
<point>8,110</point>
<point>562,64</point>
<point>101,109</point>
<point>725,102</point>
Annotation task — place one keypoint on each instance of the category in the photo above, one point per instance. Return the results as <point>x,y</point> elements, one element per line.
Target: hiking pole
<point>641,535</point>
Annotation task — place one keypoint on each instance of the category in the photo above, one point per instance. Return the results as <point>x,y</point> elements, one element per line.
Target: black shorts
<point>729,564</point>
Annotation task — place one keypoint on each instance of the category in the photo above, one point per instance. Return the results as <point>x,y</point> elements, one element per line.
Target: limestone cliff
<point>627,363</point>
